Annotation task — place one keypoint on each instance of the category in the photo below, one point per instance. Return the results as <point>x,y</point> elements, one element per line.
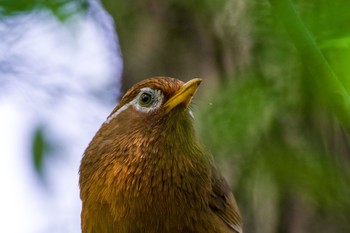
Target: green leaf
<point>240,115</point>
<point>40,149</point>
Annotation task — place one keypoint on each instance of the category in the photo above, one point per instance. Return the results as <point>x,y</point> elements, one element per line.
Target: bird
<point>146,171</point>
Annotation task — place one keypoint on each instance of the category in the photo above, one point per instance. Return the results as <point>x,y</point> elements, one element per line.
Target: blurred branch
<point>324,77</point>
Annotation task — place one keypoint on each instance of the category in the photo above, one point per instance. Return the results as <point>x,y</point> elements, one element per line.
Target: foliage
<point>62,9</point>
<point>41,148</point>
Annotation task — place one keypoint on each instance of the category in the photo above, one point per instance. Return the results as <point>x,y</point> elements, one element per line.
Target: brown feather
<point>146,172</point>
<point>223,204</point>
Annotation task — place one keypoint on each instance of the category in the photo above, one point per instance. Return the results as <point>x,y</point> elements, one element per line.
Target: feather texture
<point>145,172</point>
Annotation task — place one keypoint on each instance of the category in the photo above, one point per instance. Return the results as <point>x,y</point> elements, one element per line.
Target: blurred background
<point>273,109</point>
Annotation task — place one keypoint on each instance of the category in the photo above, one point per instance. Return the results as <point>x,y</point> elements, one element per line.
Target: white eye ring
<point>155,102</point>
<point>155,99</point>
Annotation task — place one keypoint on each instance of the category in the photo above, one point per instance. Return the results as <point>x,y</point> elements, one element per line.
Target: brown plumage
<point>145,171</point>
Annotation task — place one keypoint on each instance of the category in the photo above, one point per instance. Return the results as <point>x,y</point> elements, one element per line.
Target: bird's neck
<point>155,159</point>
<point>164,165</point>
<point>146,173</point>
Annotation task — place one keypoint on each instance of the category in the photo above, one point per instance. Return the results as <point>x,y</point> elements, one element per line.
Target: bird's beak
<point>183,95</point>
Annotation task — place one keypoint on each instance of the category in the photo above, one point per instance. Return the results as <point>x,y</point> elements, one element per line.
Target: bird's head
<point>152,118</point>
<point>153,102</point>
<point>157,97</point>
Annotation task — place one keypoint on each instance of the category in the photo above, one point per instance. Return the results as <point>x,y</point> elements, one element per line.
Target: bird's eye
<point>146,99</point>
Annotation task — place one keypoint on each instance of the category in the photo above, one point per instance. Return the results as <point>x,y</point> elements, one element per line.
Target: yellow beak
<point>184,95</point>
